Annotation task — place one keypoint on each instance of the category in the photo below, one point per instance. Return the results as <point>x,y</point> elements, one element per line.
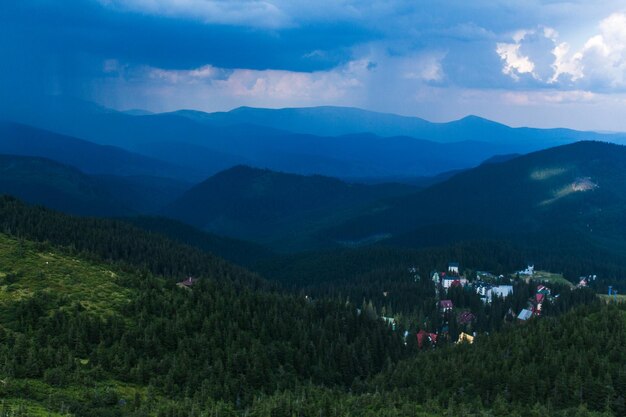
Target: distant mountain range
<point>338,121</point>
<point>332,141</point>
<point>207,148</point>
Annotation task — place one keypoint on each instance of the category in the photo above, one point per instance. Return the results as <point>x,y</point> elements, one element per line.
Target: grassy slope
<point>621,298</point>
<point>27,268</point>
<point>551,277</point>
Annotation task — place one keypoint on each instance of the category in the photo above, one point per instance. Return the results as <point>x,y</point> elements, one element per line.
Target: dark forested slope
<point>265,205</point>
<point>579,187</point>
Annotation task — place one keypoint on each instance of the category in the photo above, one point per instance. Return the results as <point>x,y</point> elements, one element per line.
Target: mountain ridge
<point>564,185</point>
<point>89,157</point>
<point>301,140</point>
<point>261,204</point>
<point>382,124</point>
<point>44,181</point>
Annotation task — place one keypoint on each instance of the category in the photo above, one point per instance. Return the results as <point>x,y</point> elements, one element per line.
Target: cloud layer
<point>598,65</point>
<point>517,62</point>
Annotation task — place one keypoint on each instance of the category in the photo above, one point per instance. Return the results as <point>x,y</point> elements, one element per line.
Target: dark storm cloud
<point>86,27</point>
<point>429,58</point>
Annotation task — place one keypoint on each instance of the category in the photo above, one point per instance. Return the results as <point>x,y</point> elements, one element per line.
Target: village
<point>488,287</point>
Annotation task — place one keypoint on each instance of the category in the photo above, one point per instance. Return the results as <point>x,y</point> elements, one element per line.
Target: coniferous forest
<point>237,344</point>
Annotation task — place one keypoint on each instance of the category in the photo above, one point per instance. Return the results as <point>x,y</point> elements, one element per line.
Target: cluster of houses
<point>535,303</point>
<point>487,291</point>
<point>487,287</point>
<point>483,285</point>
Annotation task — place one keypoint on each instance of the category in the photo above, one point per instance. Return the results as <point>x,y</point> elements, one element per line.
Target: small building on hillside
<point>483,290</point>
<point>539,298</point>
<point>452,281</point>
<point>542,289</point>
<point>537,303</point>
<point>390,321</point>
<point>453,268</point>
<point>502,291</point>
<point>585,281</point>
<point>524,315</point>
<point>188,283</point>
<point>529,271</point>
<point>445,305</point>
<point>464,337</point>
<point>466,317</point>
<point>424,337</point>
<point>458,283</point>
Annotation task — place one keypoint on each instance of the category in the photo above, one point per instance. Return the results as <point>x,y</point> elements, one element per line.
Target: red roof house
<point>466,317</point>
<point>424,336</point>
<point>446,305</point>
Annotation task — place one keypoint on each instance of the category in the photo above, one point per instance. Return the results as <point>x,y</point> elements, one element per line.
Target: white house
<point>487,291</point>
<point>530,270</point>
<point>448,282</point>
<point>453,267</point>
<point>501,291</point>
<point>524,315</point>
<point>391,321</point>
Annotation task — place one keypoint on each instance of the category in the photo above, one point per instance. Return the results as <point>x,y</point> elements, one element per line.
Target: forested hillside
<point>93,324</point>
<point>63,187</point>
<point>564,187</point>
<point>127,329</point>
<point>277,208</point>
<point>237,251</point>
<point>563,207</point>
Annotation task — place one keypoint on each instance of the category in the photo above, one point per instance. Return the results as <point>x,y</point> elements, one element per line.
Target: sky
<point>540,63</point>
